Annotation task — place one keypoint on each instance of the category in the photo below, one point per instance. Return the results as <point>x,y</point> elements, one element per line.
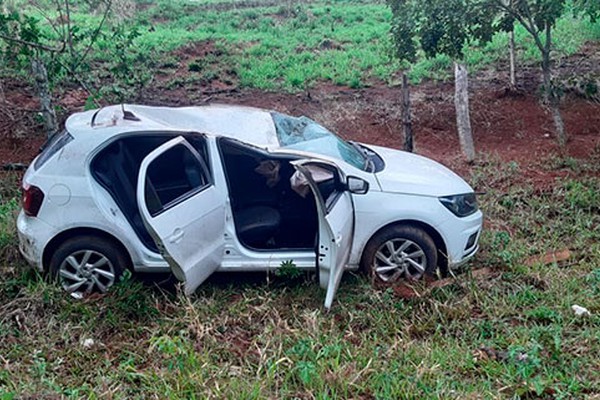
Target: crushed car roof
<point>248,124</point>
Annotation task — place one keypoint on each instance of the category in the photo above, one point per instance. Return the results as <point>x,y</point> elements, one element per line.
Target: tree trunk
<point>406,118</point>
<point>561,134</point>
<point>43,90</point>
<point>461,103</point>
<point>546,76</point>
<point>511,51</point>
<point>551,98</point>
<point>69,31</point>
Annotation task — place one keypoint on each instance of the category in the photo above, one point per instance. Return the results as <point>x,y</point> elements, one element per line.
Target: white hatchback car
<point>228,188</point>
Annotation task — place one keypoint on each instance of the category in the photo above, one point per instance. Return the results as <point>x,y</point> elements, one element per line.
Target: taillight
<point>32,199</point>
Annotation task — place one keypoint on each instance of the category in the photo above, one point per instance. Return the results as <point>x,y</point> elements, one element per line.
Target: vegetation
<point>444,28</point>
<point>288,45</point>
<point>539,19</point>
<point>503,327</point>
<point>509,333</point>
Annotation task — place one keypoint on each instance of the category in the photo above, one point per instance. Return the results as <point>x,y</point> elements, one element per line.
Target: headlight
<point>461,205</point>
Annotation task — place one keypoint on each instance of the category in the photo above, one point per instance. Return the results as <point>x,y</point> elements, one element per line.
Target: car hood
<point>413,174</point>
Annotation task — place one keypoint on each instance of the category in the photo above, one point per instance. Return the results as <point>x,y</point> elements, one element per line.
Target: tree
<point>539,17</point>
<point>408,144</point>
<point>590,8</point>
<point>405,51</point>
<point>23,37</point>
<point>444,27</point>
<point>26,38</point>
<point>507,24</point>
<point>59,46</point>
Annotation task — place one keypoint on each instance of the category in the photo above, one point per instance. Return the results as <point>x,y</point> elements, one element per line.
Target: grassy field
<point>503,328</point>
<point>507,333</point>
<point>277,45</point>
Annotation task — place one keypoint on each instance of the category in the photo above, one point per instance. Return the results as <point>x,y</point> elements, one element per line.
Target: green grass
<point>507,334</point>
<point>281,47</point>
<point>292,46</point>
<point>9,205</point>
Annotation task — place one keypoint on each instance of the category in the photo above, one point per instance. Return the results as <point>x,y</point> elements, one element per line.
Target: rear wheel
<point>400,252</point>
<point>87,264</point>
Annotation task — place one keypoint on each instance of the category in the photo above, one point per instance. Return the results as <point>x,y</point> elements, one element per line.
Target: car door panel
<point>340,226</point>
<point>188,229</point>
<point>336,229</point>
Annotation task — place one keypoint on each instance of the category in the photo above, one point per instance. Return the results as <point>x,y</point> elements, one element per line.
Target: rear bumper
<point>33,235</point>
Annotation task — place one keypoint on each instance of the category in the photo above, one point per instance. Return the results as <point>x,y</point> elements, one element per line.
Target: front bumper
<point>462,238</point>
<point>464,260</point>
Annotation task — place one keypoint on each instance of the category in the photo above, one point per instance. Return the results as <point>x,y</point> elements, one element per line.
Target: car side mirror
<point>357,185</point>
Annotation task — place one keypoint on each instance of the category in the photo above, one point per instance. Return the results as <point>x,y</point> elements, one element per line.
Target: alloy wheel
<point>86,271</point>
<point>399,258</point>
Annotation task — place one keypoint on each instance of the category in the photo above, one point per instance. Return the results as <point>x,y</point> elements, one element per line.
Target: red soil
<point>506,127</point>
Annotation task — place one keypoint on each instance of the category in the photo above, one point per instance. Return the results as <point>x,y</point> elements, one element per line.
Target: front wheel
<point>87,264</point>
<point>400,252</point>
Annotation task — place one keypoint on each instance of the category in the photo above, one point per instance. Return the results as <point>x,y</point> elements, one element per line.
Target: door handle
<point>176,236</point>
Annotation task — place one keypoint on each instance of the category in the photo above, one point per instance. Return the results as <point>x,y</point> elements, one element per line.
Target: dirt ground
<point>507,126</point>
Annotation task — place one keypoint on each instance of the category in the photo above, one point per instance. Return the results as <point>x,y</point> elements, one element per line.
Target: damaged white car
<point>228,188</point>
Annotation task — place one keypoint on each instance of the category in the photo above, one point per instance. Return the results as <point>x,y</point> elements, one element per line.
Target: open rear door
<point>183,210</point>
<point>336,221</point>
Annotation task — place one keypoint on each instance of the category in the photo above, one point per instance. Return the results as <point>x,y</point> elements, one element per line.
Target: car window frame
<point>190,193</point>
<point>171,134</point>
<point>339,187</point>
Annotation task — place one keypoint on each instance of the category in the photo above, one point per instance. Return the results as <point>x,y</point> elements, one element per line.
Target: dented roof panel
<point>247,124</point>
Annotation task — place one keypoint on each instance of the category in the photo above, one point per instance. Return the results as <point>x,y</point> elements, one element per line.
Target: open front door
<point>183,210</point>
<point>336,221</point>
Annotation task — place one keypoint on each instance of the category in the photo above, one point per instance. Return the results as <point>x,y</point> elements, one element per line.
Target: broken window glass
<point>302,133</point>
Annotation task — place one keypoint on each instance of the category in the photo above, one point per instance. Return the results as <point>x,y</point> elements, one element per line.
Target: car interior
<point>173,176</point>
<point>117,166</point>
<point>268,213</point>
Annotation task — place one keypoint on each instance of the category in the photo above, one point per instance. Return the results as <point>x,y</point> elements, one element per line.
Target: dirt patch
<point>246,4</point>
<point>21,133</point>
<point>196,71</point>
<point>549,258</point>
<point>74,99</point>
<point>507,127</point>
<point>19,151</point>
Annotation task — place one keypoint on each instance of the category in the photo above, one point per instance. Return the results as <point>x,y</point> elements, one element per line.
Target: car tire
<point>400,252</point>
<point>87,264</point>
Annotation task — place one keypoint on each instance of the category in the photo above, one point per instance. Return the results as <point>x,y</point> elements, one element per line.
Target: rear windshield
<point>52,146</point>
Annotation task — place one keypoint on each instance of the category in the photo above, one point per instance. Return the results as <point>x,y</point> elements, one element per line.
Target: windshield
<point>306,135</point>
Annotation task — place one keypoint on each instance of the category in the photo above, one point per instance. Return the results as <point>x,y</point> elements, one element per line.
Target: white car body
<point>407,190</point>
